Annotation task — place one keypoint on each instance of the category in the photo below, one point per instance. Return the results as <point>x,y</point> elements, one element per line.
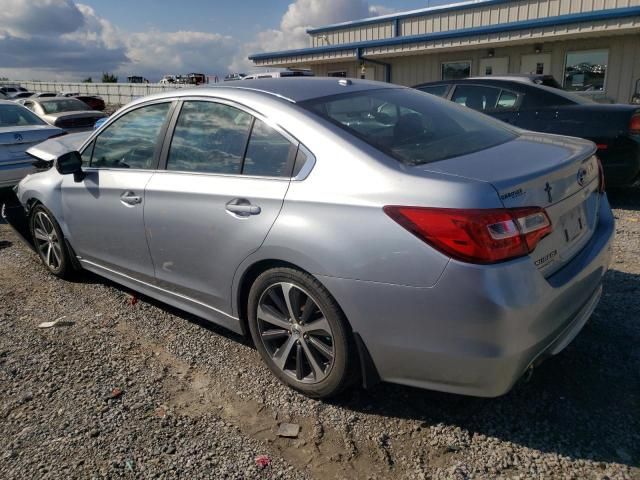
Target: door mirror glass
<point>69,163</point>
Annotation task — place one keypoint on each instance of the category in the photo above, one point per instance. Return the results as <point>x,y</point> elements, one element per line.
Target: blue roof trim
<point>504,27</point>
<point>413,13</point>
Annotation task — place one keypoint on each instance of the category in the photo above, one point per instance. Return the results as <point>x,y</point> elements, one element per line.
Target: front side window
<point>476,97</point>
<point>410,126</point>
<point>456,70</point>
<point>131,140</point>
<point>15,115</point>
<point>209,138</point>
<point>586,71</point>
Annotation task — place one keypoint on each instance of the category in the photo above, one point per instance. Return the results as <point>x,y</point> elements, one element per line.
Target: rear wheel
<point>300,332</point>
<point>49,242</point>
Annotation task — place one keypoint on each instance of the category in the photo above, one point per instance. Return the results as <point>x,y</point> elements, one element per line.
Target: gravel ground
<point>124,388</point>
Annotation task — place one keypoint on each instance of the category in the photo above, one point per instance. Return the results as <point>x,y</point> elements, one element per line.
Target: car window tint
<point>424,128</point>
<point>438,90</point>
<point>268,152</point>
<point>209,138</point>
<point>476,97</point>
<point>130,141</point>
<point>507,100</point>
<point>14,115</point>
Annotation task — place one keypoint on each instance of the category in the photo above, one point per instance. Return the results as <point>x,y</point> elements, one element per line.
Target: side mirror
<point>70,163</point>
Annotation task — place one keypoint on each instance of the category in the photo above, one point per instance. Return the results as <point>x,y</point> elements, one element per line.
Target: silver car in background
<point>20,129</point>
<point>356,230</point>
<point>70,114</point>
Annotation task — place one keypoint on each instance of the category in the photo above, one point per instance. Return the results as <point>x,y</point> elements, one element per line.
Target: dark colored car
<point>94,102</point>
<point>614,128</point>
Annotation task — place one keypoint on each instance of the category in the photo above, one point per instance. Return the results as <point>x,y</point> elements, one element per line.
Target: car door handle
<point>130,198</point>
<point>243,207</point>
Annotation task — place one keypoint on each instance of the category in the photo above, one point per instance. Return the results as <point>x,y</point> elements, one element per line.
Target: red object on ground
<point>263,461</point>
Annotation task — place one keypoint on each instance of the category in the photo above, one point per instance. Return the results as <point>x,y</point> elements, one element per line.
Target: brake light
<point>634,124</point>
<point>600,176</point>
<point>476,235</point>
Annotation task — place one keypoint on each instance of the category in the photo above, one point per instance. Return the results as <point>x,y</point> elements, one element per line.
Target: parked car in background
<point>11,89</point>
<point>19,95</point>
<point>490,247</point>
<point>19,129</point>
<point>234,76</point>
<point>614,128</point>
<point>282,74</point>
<point>68,113</point>
<point>95,102</point>
<point>44,95</point>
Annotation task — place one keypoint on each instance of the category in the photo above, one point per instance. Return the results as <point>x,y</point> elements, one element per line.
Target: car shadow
<point>581,404</point>
<point>624,198</point>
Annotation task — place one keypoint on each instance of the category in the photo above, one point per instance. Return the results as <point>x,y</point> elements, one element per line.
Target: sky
<point>72,40</point>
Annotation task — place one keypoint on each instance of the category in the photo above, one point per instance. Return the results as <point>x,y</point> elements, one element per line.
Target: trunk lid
<point>559,174</point>
<point>15,141</point>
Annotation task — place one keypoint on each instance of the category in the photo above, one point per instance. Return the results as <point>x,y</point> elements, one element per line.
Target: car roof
<point>292,89</point>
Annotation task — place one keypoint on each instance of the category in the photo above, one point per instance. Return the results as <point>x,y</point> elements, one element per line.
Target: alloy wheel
<point>295,333</point>
<point>47,241</point>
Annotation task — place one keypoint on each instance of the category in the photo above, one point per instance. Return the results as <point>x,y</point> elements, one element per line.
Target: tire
<point>313,354</point>
<point>49,242</point>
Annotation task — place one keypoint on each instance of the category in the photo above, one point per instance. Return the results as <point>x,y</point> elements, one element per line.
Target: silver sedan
<point>20,129</point>
<point>358,231</point>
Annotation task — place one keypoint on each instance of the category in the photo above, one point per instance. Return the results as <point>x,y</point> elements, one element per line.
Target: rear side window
<point>423,129</point>
<point>131,140</point>
<point>476,97</point>
<point>216,138</point>
<point>507,100</point>
<point>209,138</point>
<point>437,90</point>
<point>268,153</point>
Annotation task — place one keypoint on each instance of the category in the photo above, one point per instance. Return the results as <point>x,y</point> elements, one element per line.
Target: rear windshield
<point>16,115</point>
<point>413,127</point>
<point>66,105</point>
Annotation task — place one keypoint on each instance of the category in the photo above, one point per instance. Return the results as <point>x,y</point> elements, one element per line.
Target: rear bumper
<point>480,327</point>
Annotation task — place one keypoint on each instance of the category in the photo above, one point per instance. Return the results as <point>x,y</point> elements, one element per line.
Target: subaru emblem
<point>582,176</point>
<point>17,137</point>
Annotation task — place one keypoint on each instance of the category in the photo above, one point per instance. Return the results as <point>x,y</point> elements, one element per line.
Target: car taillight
<point>634,124</point>
<point>600,177</point>
<point>476,235</point>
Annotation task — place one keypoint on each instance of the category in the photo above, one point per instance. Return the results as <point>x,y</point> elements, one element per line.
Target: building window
<point>586,71</point>
<point>456,70</point>
<point>339,73</point>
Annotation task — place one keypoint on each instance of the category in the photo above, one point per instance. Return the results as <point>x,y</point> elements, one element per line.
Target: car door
<point>227,172</point>
<point>104,210</point>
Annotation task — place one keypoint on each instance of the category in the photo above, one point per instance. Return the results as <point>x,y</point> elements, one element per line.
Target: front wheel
<point>300,332</point>
<point>49,242</point>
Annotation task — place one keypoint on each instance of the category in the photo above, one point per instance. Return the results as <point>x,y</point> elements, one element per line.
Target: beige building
<point>590,46</point>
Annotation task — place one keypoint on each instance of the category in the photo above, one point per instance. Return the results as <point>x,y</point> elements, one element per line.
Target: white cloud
<point>63,40</point>
<point>300,16</point>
